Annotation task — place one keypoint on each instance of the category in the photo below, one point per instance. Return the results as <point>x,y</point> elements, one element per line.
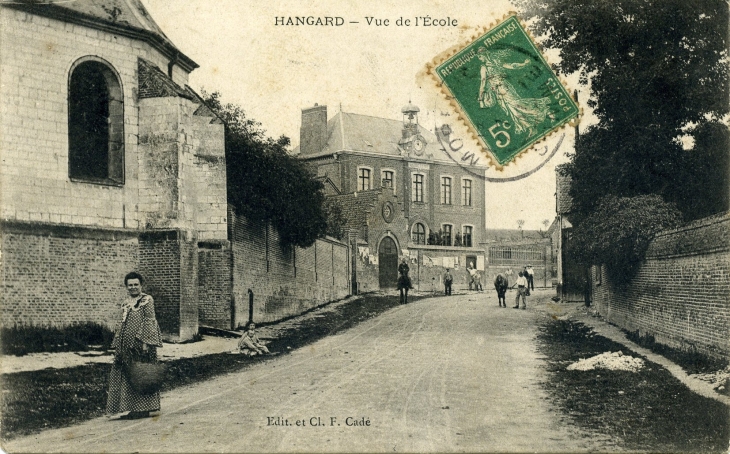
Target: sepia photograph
<point>282,226</point>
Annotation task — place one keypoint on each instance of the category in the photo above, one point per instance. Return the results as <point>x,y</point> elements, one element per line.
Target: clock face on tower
<point>419,143</point>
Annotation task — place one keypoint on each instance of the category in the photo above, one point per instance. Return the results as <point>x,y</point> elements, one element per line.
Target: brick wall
<point>285,282</point>
<point>215,289</point>
<point>432,269</point>
<point>40,285</point>
<point>680,293</point>
<point>169,262</point>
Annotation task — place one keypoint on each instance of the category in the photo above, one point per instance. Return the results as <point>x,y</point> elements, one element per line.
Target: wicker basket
<point>146,378</point>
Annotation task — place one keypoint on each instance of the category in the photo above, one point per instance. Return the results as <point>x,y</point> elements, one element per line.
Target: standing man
<point>530,278</point>
<point>448,280</point>
<point>521,291</point>
<point>472,277</point>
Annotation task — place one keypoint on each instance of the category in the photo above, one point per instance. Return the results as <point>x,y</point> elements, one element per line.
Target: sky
<point>274,71</point>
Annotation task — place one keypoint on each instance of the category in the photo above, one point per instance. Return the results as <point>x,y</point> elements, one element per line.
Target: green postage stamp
<point>506,91</point>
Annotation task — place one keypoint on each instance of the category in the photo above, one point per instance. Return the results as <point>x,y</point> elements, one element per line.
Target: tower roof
<point>124,17</point>
<point>410,108</point>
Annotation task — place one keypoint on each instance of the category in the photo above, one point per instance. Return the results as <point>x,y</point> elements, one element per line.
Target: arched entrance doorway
<point>388,263</point>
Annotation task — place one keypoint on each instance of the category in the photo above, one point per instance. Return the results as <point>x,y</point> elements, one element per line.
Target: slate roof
<point>563,200</point>
<point>364,133</point>
<point>513,235</point>
<point>153,83</point>
<point>125,17</point>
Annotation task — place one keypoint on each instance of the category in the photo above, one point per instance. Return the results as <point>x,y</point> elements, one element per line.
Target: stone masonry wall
<point>284,282</point>
<point>680,293</point>
<point>39,285</point>
<point>38,54</point>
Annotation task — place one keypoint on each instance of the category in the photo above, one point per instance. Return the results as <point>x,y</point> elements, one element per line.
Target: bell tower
<point>410,120</point>
<point>412,141</point>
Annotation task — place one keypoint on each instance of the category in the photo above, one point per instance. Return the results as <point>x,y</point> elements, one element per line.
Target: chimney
<point>313,134</point>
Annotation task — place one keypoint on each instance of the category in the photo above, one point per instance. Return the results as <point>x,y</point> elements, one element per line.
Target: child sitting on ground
<point>250,345</point>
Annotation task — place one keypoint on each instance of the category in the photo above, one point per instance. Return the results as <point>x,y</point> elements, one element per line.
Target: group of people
<point>525,283</point>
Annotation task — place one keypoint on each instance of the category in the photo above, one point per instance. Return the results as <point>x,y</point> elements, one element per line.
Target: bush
<point>23,339</point>
<point>617,233</point>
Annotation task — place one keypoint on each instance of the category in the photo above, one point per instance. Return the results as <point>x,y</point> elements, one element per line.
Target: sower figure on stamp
<point>404,282</point>
<point>521,291</point>
<point>501,285</point>
<point>249,344</point>
<point>524,113</point>
<point>136,338</point>
<point>448,280</point>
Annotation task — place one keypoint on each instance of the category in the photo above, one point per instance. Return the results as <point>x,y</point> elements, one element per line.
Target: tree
<point>335,219</point>
<point>520,224</point>
<point>617,233</point>
<point>658,72</point>
<point>265,183</point>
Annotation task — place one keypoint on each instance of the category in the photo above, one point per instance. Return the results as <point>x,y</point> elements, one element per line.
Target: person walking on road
<point>404,282</point>
<point>136,339</point>
<point>521,291</point>
<point>501,285</point>
<point>448,280</point>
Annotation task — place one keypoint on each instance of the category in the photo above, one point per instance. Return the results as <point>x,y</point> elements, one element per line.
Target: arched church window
<point>95,124</point>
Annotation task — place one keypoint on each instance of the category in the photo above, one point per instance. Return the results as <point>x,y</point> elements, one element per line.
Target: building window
<point>388,180</point>
<point>363,179</point>
<point>445,190</point>
<point>95,124</point>
<point>466,233</point>
<point>417,195</point>
<point>446,237</point>
<point>466,193</point>
<point>419,234</point>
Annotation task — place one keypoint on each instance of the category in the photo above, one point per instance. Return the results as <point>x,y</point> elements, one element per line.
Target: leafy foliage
<point>619,230</point>
<point>265,183</point>
<point>335,219</point>
<point>658,72</point>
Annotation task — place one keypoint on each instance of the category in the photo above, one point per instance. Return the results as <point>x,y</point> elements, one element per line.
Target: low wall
<point>680,293</point>
<point>57,276</point>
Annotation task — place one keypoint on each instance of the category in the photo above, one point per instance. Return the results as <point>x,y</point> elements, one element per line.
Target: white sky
<point>275,71</point>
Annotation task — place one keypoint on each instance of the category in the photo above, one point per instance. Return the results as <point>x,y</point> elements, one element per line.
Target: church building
<point>110,163</point>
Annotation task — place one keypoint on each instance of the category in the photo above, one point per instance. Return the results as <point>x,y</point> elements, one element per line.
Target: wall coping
<point>66,230</point>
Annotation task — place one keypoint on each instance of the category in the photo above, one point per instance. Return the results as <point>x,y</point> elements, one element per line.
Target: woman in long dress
<point>136,339</point>
<point>524,113</point>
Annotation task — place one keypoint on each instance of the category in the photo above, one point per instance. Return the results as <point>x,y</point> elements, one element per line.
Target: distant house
<point>572,279</point>
<point>402,195</point>
<point>510,250</point>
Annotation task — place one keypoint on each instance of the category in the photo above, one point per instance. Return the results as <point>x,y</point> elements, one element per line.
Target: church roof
<point>124,17</point>
<point>363,133</point>
<point>153,83</point>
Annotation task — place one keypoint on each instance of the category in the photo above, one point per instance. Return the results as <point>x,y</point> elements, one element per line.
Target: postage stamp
<point>505,91</point>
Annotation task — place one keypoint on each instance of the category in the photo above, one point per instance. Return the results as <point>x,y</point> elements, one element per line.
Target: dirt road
<point>443,374</point>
